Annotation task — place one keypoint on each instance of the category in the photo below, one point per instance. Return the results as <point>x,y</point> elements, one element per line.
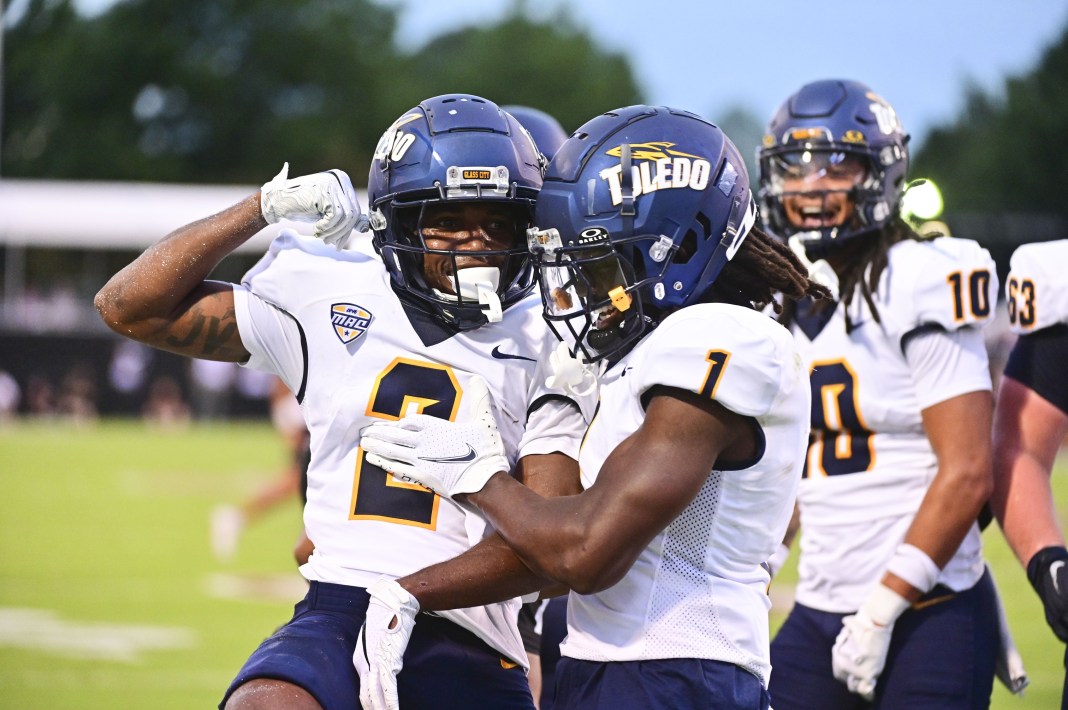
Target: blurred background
<point>120,121</point>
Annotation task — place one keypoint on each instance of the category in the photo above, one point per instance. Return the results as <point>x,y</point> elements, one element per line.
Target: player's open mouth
<point>607,318</point>
<point>818,216</point>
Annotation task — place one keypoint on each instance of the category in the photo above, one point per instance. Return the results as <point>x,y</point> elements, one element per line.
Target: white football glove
<point>447,457</point>
<point>325,198</point>
<point>380,646</point>
<point>859,652</point>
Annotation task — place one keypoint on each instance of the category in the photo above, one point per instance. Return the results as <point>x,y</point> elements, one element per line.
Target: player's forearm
<point>959,431</point>
<point>947,513</point>
<point>570,539</point>
<point>1028,432</point>
<point>487,573</point>
<point>1023,505</point>
<point>492,571</point>
<point>160,279</point>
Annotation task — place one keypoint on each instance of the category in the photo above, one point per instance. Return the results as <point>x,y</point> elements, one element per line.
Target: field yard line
<point>44,630</point>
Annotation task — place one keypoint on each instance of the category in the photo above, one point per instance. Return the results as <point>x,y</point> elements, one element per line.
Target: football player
<point>1031,422</point>
<point>650,270</point>
<point>358,339</point>
<point>893,604</point>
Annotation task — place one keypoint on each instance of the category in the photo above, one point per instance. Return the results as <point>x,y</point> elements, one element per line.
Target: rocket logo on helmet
<point>630,228</point>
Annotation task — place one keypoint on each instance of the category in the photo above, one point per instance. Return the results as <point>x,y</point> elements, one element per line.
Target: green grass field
<point>110,598</point>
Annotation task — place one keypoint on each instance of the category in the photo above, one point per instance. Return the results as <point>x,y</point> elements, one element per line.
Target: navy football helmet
<point>454,148</point>
<point>824,127</point>
<point>546,131</point>
<point>641,209</point>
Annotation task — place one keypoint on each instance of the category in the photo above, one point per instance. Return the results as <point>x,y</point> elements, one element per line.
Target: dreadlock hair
<point>763,267</point>
<point>867,259</point>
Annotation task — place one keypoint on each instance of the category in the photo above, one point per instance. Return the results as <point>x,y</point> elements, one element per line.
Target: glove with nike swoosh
<point>380,646</point>
<point>1048,572</point>
<point>325,198</point>
<point>449,458</point>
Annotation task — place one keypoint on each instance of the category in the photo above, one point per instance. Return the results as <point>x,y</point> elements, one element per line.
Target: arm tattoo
<point>220,331</point>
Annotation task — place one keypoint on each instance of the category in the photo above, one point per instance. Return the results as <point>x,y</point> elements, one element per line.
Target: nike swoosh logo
<point>1053,574</point>
<point>469,456</point>
<point>496,352</point>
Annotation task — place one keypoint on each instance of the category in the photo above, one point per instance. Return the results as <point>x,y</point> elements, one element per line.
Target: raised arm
<point>163,298</point>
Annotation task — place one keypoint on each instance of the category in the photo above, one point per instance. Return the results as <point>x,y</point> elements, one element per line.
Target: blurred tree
<point>1007,152</point>
<point>747,131</point>
<point>180,90</point>
<point>224,91</point>
<point>551,65</point>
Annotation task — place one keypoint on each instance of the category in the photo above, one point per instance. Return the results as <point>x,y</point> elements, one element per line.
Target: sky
<point>710,56</point>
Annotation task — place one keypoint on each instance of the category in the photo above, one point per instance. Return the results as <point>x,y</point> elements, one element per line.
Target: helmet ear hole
<point>688,246</point>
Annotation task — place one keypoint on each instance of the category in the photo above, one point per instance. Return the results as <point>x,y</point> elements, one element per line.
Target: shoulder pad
<point>293,258</point>
<point>948,282</point>
<point>742,359</point>
<point>1037,288</point>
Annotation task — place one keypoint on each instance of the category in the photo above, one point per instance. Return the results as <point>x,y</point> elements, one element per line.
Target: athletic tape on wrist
<point>913,565</point>
<point>884,605</point>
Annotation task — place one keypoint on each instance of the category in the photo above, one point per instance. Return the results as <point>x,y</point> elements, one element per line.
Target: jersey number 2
<point>406,386</point>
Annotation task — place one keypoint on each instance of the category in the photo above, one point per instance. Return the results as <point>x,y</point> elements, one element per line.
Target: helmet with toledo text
<point>546,131</point>
<point>451,150</point>
<point>641,209</point>
<point>848,139</point>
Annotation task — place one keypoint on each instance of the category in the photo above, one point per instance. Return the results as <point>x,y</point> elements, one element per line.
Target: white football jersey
<point>1037,288</point>
<point>698,590</point>
<point>870,463</point>
<point>354,358</point>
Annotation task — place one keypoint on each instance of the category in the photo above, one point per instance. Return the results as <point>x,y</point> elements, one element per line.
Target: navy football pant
<point>691,683</point>
<point>445,666</point>
<point>553,632</point>
<point>942,656</point>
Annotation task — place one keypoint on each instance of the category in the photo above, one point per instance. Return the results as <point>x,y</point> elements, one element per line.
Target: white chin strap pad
<point>479,283</point>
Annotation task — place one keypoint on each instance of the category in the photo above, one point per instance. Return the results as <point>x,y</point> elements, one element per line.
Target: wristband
<point>913,565</point>
<point>778,559</point>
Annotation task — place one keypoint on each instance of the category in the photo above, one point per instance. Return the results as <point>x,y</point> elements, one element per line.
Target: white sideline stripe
<point>44,630</point>
<point>289,587</point>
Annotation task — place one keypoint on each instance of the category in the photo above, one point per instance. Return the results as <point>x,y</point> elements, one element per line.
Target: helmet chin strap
<point>478,283</point>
